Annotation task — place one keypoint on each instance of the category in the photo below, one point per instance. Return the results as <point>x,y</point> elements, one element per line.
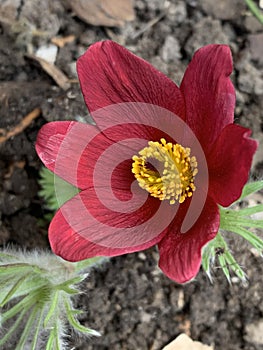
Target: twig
<point>152,22</point>
<point>148,26</point>
<point>62,41</point>
<point>25,122</point>
<point>58,76</point>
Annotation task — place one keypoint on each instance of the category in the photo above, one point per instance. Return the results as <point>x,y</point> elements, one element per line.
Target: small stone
<point>48,22</point>
<point>240,98</point>
<point>229,32</point>
<point>205,32</point>
<point>258,86</point>
<point>235,280</point>
<point>256,47</point>
<point>73,69</point>
<point>158,299</point>
<point>47,52</point>
<point>9,9</point>
<point>250,79</point>
<point>146,317</point>
<point>252,25</point>
<point>170,51</point>
<point>177,13</point>
<point>177,299</point>
<point>254,332</point>
<point>142,256</point>
<point>87,38</point>
<point>154,5</point>
<point>224,9</point>
<point>255,251</point>
<point>183,342</point>
<point>11,203</point>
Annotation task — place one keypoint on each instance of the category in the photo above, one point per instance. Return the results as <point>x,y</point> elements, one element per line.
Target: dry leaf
<point>60,78</point>
<point>109,13</point>
<point>183,342</point>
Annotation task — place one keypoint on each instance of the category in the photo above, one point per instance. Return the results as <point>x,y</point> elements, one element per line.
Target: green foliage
<point>217,251</point>
<point>55,191</point>
<point>255,10</point>
<point>36,295</point>
<point>238,222</point>
<point>250,188</point>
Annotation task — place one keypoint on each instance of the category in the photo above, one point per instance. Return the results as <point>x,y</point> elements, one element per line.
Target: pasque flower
<point>137,111</point>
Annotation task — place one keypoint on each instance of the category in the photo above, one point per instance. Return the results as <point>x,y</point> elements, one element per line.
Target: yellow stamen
<point>166,171</point>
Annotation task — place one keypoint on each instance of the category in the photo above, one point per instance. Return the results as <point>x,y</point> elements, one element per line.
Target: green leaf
<point>230,218</point>
<point>33,284</point>
<point>14,327</point>
<point>17,268</point>
<point>28,328</point>
<point>52,308</point>
<point>55,191</point>
<point>75,323</point>
<point>218,249</point>
<point>13,290</point>
<point>251,210</point>
<point>223,264</point>
<point>252,238</point>
<point>37,329</point>
<point>208,257</point>
<point>67,285</point>
<point>255,10</point>
<point>7,256</point>
<point>25,303</point>
<point>250,188</point>
<point>51,339</point>
<point>249,223</point>
<point>36,289</point>
<point>89,263</point>
<point>232,263</point>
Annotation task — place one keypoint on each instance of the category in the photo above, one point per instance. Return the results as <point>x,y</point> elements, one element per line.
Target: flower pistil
<point>166,171</point>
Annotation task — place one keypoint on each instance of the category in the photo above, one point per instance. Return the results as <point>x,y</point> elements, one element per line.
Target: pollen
<point>166,170</point>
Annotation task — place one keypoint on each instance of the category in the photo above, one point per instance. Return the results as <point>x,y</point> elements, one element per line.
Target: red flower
<point>156,165</point>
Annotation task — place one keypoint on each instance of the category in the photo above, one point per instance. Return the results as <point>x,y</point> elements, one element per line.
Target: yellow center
<point>166,171</point>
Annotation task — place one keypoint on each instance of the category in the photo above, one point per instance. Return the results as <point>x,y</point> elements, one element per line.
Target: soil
<point>128,299</point>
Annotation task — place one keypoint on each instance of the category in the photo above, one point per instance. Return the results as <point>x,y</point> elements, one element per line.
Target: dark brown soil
<point>128,299</point>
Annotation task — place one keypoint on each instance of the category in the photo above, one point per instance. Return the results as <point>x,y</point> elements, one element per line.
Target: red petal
<point>141,120</point>
<point>80,153</point>
<point>108,156</point>
<point>107,159</point>
<point>60,145</point>
<point>111,74</point>
<point>229,164</point>
<point>85,227</point>
<point>209,93</point>
<point>180,253</point>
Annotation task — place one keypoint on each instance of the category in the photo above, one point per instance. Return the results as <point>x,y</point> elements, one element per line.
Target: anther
<point>174,178</point>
